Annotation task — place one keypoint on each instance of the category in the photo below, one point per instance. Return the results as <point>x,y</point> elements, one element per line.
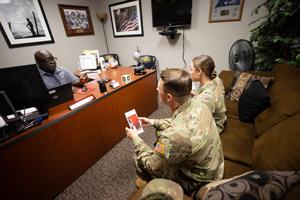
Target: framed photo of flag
<point>225,10</point>
<point>126,18</point>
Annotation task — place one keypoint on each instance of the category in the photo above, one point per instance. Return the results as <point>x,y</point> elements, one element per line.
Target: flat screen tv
<point>171,12</point>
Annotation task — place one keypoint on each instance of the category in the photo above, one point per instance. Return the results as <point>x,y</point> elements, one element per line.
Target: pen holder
<point>102,86</point>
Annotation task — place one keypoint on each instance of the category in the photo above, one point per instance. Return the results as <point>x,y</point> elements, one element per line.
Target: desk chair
<point>148,61</point>
<point>108,56</point>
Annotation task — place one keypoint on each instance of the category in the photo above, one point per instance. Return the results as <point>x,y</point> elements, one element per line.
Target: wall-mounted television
<point>171,12</point>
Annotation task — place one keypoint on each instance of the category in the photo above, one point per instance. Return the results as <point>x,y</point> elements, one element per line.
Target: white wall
<point>214,39</point>
<point>65,48</point>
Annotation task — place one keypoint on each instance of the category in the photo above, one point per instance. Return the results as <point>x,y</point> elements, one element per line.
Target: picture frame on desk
<point>126,18</point>
<point>76,20</point>
<point>225,11</point>
<point>23,23</point>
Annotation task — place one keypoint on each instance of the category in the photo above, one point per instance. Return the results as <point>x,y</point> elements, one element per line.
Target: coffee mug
<point>102,86</point>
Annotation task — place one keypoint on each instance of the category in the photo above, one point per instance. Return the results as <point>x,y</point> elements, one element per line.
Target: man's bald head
<point>45,61</point>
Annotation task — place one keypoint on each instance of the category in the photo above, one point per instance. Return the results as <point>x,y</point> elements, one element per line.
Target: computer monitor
<point>24,88</point>
<point>7,110</point>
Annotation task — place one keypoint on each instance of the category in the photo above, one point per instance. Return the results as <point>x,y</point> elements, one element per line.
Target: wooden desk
<point>41,162</point>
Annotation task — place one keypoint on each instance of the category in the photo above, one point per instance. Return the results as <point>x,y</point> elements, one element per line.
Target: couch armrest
<point>227,77</point>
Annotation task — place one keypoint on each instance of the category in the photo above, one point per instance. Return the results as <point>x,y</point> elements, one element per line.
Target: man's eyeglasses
<point>49,59</point>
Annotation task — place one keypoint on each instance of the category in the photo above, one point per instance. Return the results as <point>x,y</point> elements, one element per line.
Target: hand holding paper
<point>133,121</point>
<point>146,122</point>
<point>131,133</point>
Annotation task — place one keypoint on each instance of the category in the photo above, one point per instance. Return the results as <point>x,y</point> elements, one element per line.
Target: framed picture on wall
<point>23,23</point>
<point>225,10</point>
<point>126,18</point>
<point>76,19</point>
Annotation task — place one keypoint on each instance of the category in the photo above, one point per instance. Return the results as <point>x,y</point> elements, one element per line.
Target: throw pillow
<point>251,185</point>
<point>253,101</point>
<point>243,81</point>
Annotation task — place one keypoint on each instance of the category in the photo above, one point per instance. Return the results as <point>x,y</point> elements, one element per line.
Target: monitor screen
<point>6,108</point>
<point>171,12</point>
<point>24,87</point>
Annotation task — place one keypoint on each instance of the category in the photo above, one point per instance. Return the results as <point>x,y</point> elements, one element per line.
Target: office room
<point>79,148</point>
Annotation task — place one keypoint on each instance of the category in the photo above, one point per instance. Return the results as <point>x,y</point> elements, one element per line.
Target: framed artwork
<point>225,10</point>
<point>76,19</point>
<point>126,18</point>
<point>23,23</point>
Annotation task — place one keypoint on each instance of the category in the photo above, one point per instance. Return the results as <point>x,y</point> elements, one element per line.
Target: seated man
<point>188,150</point>
<point>52,75</point>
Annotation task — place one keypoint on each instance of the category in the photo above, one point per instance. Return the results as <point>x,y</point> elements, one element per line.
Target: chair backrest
<point>108,56</point>
<point>148,61</point>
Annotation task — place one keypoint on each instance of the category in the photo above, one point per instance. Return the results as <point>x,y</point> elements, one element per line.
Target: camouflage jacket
<point>188,148</point>
<point>212,94</point>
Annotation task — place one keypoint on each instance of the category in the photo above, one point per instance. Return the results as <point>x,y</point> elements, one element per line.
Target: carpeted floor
<point>113,176</point>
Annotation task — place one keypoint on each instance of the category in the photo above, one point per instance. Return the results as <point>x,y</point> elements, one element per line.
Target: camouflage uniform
<point>188,150</point>
<point>212,94</point>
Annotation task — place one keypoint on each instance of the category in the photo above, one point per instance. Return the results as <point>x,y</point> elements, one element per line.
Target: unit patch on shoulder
<point>162,149</point>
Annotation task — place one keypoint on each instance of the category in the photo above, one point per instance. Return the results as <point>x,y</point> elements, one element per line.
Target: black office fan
<point>241,56</point>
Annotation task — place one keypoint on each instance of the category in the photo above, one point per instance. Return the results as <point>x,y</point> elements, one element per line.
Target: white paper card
<point>133,121</point>
<point>88,62</point>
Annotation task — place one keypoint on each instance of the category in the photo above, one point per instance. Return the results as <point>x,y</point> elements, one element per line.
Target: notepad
<point>81,102</point>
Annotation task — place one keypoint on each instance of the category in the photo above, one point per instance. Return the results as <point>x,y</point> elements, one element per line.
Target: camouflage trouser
<point>189,185</point>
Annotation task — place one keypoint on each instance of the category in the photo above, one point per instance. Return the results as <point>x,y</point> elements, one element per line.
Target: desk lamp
<point>102,17</point>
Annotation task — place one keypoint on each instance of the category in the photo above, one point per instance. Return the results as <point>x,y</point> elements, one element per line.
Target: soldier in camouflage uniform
<point>211,91</point>
<point>188,150</point>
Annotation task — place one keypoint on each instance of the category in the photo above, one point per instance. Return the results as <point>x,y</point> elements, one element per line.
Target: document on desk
<point>93,74</point>
<point>88,62</point>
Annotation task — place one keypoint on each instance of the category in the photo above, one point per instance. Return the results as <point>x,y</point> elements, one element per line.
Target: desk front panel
<point>44,164</point>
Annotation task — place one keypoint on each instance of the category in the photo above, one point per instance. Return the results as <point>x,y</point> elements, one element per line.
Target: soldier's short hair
<point>162,189</point>
<point>157,196</point>
<point>177,82</point>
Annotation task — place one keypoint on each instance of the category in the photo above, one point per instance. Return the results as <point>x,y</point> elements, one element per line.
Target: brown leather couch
<point>272,142</point>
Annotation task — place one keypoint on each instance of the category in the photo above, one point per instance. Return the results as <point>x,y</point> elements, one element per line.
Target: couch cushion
<point>278,148</point>
<point>243,81</point>
<point>232,169</point>
<point>285,71</point>
<point>253,101</point>
<point>227,77</point>
<point>231,109</point>
<point>252,185</point>
<point>284,106</point>
<point>237,141</point>
<point>285,77</point>
<point>280,86</point>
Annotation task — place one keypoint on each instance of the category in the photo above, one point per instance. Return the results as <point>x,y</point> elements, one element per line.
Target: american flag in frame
<point>126,18</point>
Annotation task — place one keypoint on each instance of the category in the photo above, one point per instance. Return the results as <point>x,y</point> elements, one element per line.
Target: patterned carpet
<point>113,176</point>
